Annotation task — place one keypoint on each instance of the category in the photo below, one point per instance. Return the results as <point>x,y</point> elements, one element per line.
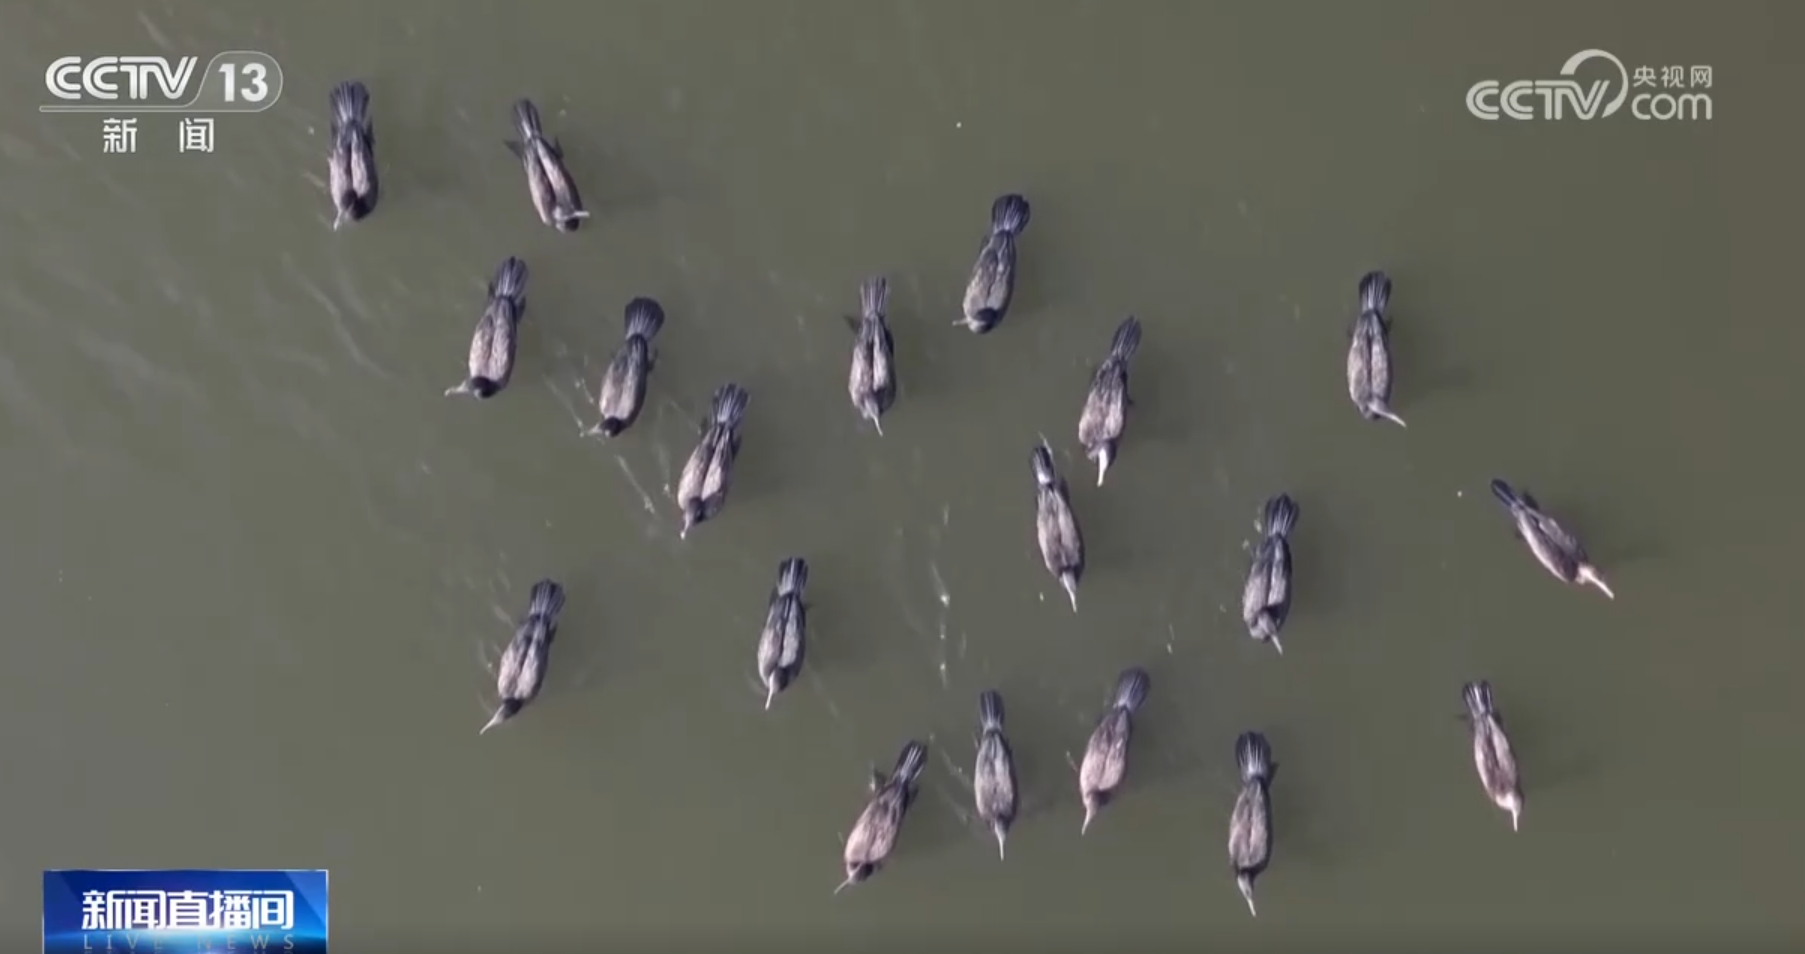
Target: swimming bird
<point>1266,598</point>
<point>623,390</point>
<point>872,384</point>
<point>351,165</point>
<point>1106,406</point>
<point>494,342</point>
<point>784,640</point>
<point>1369,352</point>
<point>1491,750</point>
<point>873,836</point>
<point>702,489</point>
<point>522,669</point>
<point>993,777</point>
<point>1556,549</point>
<point>1106,755</point>
<point>1056,526</point>
<point>554,193</point>
<point>1250,824</point>
<point>992,282</point>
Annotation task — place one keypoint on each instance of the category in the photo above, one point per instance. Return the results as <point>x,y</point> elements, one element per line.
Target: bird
<point>783,641</point>
<point>1369,352</point>
<point>493,343</point>
<point>523,663</point>
<point>1056,526</point>
<point>1106,405</point>
<point>1266,597</point>
<point>702,488</point>
<point>351,164</point>
<point>872,382</point>
<point>554,192</point>
<point>992,283</point>
<point>1492,754</point>
<point>993,776</point>
<point>1556,549</point>
<point>1250,824</point>
<point>1105,762</point>
<point>873,836</point>
<point>623,390</point>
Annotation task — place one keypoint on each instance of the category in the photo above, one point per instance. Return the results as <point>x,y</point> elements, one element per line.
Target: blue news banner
<point>188,911</point>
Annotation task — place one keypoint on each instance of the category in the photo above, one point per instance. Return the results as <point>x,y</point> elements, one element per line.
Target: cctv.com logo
<point>1659,95</point>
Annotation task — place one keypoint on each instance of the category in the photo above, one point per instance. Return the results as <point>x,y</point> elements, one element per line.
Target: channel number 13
<point>254,87</point>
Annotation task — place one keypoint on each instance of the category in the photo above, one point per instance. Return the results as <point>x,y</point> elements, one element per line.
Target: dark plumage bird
<point>351,165</point>
<point>992,282</point>
<point>872,384</point>
<point>1106,406</point>
<point>1266,599</point>
<point>784,640</point>
<point>1056,526</point>
<point>1106,755</point>
<point>873,836</point>
<point>1369,352</point>
<point>1556,549</point>
<point>522,669</point>
<point>495,340</point>
<point>1250,825</point>
<point>623,391</point>
<point>702,489</point>
<point>993,777</point>
<point>554,193</point>
<point>1491,750</point>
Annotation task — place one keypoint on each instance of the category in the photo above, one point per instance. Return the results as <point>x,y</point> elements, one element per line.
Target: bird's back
<point>1106,757</point>
<point>1249,830</point>
<point>1492,754</point>
<point>1556,549</point>
<point>786,621</point>
<point>874,835</point>
<point>720,465</point>
<point>492,346</point>
<point>623,384</point>
<point>522,666</point>
<point>690,484</point>
<point>993,275</point>
<point>1360,358</point>
<point>993,780</point>
<point>1257,593</point>
<point>1056,528</point>
<point>862,378</point>
<point>1105,413</point>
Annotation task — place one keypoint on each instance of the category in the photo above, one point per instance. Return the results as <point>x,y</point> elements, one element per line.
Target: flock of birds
<point>872,385</point>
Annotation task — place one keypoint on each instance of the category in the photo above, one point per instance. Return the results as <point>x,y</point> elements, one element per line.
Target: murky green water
<point>255,563</point>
